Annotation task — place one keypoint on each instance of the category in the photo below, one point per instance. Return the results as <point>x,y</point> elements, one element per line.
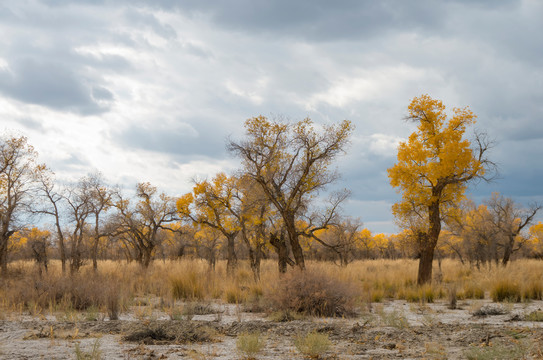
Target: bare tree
<point>141,223</point>
<point>19,172</point>
<point>510,219</point>
<point>100,201</point>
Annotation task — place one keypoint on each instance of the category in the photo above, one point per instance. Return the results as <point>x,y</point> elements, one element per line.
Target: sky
<point>151,90</point>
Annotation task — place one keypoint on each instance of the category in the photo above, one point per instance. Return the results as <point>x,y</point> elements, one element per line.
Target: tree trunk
<point>425,266</point>
<point>297,251</point>
<point>282,252</point>
<point>4,255</point>
<point>508,250</point>
<point>146,257</point>
<point>429,241</point>
<point>232,260</point>
<point>94,254</point>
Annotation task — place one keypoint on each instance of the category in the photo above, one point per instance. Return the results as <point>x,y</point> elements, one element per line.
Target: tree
<point>19,172</point>
<point>475,227</point>
<point>100,201</point>
<point>510,219</point>
<point>36,242</point>
<point>536,241</point>
<point>52,203</point>
<point>213,204</point>
<point>142,223</point>
<point>291,163</point>
<point>341,238</point>
<point>434,167</point>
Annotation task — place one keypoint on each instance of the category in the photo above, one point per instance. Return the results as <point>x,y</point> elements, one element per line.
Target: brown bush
<point>78,292</point>
<point>313,293</point>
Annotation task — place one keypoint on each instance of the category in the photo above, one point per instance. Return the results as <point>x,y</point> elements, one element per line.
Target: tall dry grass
<point>116,284</point>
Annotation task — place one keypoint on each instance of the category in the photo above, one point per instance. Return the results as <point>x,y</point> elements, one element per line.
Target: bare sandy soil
<point>391,330</point>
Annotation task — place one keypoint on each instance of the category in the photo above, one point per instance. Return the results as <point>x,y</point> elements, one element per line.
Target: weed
<point>94,354</point>
<point>187,286</point>
<point>234,294</point>
<point>534,316</point>
<point>533,291</point>
<point>435,351</point>
<point>505,290</point>
<point>250,344</point>
<point>92,313</point>
<point>394,318</point>
<point>517,350</point>
<point>313,344</point>
<point>285,316</point>
<point>473,291</point>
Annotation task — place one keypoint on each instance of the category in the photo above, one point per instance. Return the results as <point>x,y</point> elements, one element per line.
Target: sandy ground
<point>389,330</point>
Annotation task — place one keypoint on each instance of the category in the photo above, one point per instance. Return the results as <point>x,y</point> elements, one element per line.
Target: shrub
<point>94,354</point>
<point>234,294</point>
<point>534,316</point>
<point>534,291</point>
<point>473,291</point>
<point>313,344</point>
<point>250,344</point>
<point>490,310</point>
<point>313,293</point>
<point>394,318</point>
<point>505,290</point>
<point>187,286</point>
<point>517,350</point>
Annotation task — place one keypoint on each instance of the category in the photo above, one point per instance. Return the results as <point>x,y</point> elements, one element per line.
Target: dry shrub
<point>188,286</point>
<point>170,332</point>
<point>533,291</point>
<point>472,291</point>
<point>313,293</point>
<point>505,290</point>
<point>78,292</point>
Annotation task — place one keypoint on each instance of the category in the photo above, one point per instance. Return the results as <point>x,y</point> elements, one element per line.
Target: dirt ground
<point>389,330</point>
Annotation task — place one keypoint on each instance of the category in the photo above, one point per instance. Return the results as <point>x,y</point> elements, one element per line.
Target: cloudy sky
<point>150,90</point>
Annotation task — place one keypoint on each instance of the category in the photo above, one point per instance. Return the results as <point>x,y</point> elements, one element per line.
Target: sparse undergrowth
<point>313,345</point>
<point>250,344</point>
<point>313,293</point>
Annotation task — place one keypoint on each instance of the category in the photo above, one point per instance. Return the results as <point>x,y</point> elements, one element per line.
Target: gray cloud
<point>182,141</point>
<point>171,80</point>
<point>46,83</point>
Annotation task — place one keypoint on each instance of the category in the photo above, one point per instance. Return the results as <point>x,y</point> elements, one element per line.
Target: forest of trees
<point>273,206</point>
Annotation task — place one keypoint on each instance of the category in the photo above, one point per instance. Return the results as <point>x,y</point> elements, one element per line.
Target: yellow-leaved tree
<point>433,170</point>
<point>291,162</point>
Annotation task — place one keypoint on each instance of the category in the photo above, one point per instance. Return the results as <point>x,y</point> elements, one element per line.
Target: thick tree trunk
<point>232,260</point>
<point>211,259</point>
<point>425,266</point>
<point>508,250</point>
<point>429,242</point>
<point>297,251</point>
<point>4,255</point>
<point>146,257</point>
<point>278,242</point>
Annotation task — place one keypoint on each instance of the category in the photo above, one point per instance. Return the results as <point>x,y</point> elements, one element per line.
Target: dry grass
<point>117,284</point>
<point>313,292</point>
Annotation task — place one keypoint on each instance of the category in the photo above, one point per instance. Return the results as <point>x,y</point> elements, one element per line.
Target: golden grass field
<point>369,280</point>
<point>181,309</point>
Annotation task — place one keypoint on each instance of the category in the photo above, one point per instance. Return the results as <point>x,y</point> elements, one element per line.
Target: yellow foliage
<point>435,163</point>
